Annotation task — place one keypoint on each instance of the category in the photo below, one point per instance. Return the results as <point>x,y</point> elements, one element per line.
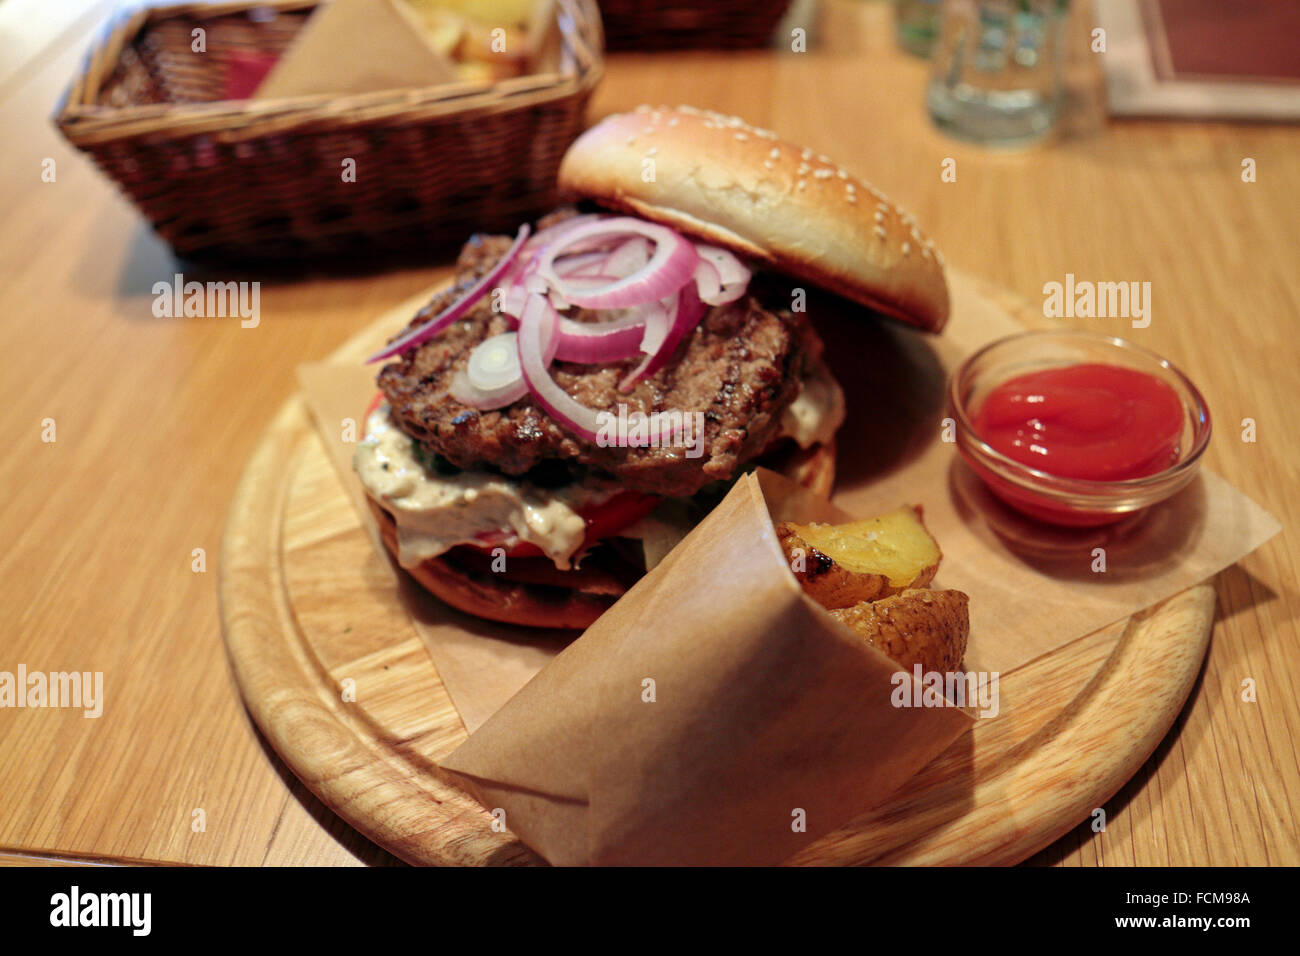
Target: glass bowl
<point>1052,498</point>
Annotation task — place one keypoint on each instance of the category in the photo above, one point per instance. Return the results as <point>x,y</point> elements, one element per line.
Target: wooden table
<point>154,418</point>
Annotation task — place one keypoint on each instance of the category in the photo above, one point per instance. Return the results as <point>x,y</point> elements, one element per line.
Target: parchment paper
<point>588,772</point>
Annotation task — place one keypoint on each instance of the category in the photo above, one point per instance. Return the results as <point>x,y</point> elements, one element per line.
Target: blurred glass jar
<point>917,23</point>
<point>999,70</point>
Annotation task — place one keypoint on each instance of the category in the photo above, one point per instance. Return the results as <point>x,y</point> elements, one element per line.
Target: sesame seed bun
<point>721,180</point>
<point>499,597</point>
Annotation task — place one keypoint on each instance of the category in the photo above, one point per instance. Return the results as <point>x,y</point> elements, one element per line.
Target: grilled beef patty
<point>740,366</point>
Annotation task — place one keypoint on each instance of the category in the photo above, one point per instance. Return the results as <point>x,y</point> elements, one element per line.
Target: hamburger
<point>551,424</point>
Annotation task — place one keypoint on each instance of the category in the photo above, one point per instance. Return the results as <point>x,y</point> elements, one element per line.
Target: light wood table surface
<point>155,417</point>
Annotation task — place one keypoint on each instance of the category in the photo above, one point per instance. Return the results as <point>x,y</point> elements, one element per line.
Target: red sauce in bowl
<point>1091,421</point>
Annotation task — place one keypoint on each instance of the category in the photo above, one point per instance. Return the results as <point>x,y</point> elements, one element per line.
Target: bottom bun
<point>497,597</point>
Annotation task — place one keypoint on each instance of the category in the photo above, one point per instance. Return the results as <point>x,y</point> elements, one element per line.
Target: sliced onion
<point>658,317</point>
<point>610,341</point>
<point>512,303</point>
<point>551,233</point>
<point>710,287</point>
<point>488,384</point>
<point>671,267</point>
<point>427,330</point>
<point>583,263</point>
<point>486,400</point>
<point>494,362</point>
<point>730,269</point>
<point>628,258</point>
<point>539,321</point>
<point>689,312</point>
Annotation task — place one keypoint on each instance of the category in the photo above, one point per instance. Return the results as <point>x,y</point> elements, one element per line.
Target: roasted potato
<point>842,565</point>
<point>919,626</point>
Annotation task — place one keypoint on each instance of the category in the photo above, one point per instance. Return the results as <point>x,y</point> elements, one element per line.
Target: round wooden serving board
<point>307,604</point>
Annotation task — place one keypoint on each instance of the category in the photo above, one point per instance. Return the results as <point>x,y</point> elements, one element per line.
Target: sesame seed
<point>842,174</point>
<point>742,137</point>
<point>806,154</point>
<point>803,169</point>
<point>823,174</point>
<point>767,164</point>
<point>851,198</point>
<point>802,183</point>
<point>907,247</point>
<point>880,231</point>
<point>850,188</point>
<point>775,154</point>
<point>880,216</point>
<point>674,121</point>
<point>824,158</point>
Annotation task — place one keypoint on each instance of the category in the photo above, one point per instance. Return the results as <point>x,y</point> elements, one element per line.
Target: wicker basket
<point>690,24</point>
<point>263,178</point>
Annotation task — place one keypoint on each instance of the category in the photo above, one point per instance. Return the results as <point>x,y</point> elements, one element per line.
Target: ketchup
<point>1092,421</point>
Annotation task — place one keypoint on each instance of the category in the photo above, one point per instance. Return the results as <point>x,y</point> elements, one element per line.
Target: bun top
<point>721,180</point>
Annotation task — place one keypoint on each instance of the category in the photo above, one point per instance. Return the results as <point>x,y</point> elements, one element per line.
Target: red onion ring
<point>591,342</point>
<point>595,262</point>
<point>539,321</point>
<point>689,312</point>
<point>427,330</point>
<point>710,287</point>
<point>730,269</point>
<point>671,267</point>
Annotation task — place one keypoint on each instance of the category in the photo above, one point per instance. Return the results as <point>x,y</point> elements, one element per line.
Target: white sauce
<point>817,411</point>
<point>434,513</point>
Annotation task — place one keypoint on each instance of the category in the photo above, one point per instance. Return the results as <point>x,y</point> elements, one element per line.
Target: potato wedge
<point>923,627</point>
<point>842,565</point>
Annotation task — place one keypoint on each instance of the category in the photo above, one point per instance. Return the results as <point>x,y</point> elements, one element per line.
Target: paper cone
<point>767,723</point>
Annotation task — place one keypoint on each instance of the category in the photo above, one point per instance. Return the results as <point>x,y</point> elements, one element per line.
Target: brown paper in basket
<point>357,46</point>
<point>715,715</point>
